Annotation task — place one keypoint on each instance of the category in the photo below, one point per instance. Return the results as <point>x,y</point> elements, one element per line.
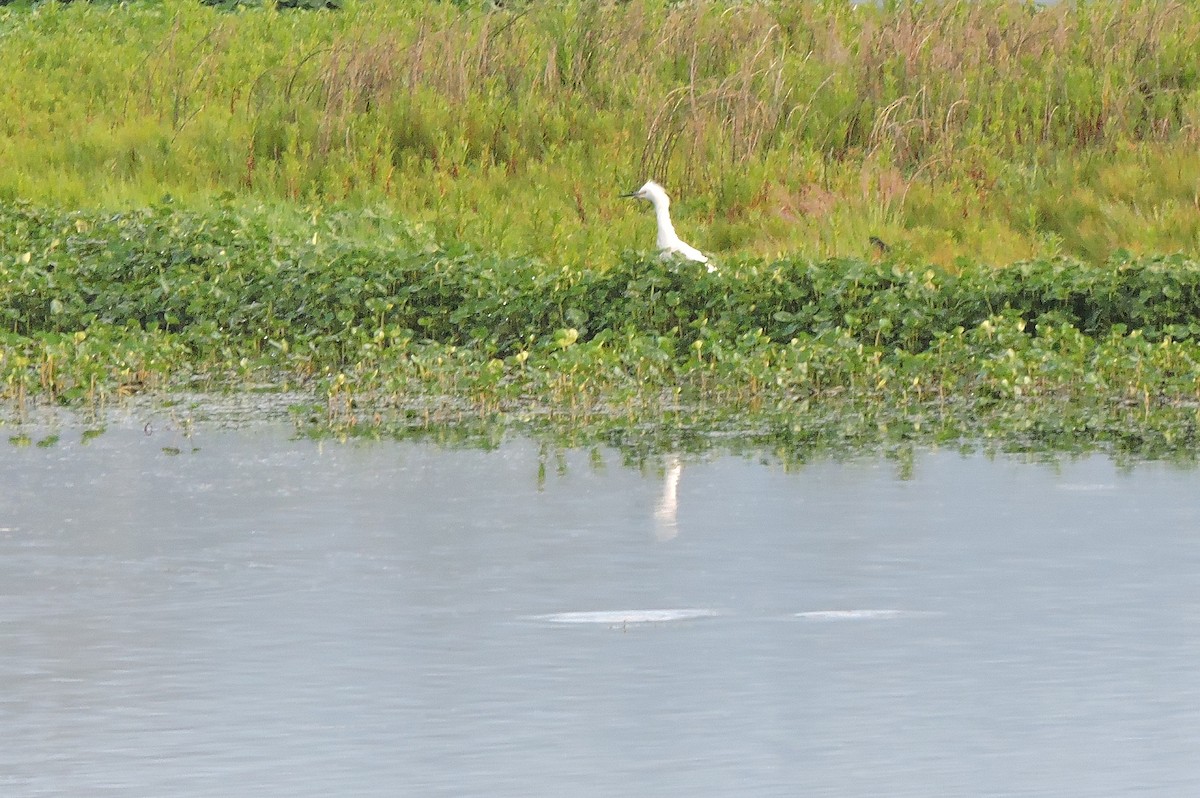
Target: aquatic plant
<point>390,329</point>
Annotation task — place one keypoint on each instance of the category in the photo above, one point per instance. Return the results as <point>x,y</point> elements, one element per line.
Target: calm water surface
<point>269,617</point>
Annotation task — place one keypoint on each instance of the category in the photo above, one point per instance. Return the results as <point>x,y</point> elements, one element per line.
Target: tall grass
<point>997,130</point>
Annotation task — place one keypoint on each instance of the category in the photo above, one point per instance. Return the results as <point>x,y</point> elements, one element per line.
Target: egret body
<point>669,242</point>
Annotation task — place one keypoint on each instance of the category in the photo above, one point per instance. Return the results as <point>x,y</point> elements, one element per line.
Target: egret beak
<point>630,195</point>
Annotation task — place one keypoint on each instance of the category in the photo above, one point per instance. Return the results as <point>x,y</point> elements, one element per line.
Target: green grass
<point>987,130</point>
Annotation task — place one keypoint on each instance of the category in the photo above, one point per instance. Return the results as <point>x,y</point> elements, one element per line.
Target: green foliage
<point>396,329</point>
<point>411,210</point>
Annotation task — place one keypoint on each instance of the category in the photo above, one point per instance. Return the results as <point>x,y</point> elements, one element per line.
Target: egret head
<point>651,191</point>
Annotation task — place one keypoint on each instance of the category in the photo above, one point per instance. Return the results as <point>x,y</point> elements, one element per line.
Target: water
<point>265,617</point>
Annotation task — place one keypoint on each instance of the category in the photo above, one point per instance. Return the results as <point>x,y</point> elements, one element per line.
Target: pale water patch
<point>621,617</point>
<point>1088,487</point>
<point>862,615</point>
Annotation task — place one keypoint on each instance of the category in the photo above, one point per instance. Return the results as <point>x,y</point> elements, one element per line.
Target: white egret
<point>668,242</point>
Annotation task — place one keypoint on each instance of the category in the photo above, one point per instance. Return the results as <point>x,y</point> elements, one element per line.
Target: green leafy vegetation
<point>392,330</point>
<point>934,222</point>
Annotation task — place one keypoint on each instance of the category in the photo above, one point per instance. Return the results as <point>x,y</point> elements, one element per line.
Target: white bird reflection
<point>666,520</point>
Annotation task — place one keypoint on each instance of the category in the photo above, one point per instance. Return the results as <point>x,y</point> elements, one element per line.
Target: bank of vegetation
<point>410,211</point>
<point>390,329</point>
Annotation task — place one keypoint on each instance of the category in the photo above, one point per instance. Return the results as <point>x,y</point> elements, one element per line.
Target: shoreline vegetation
<point>392,331</point>
<point>409,212</point>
